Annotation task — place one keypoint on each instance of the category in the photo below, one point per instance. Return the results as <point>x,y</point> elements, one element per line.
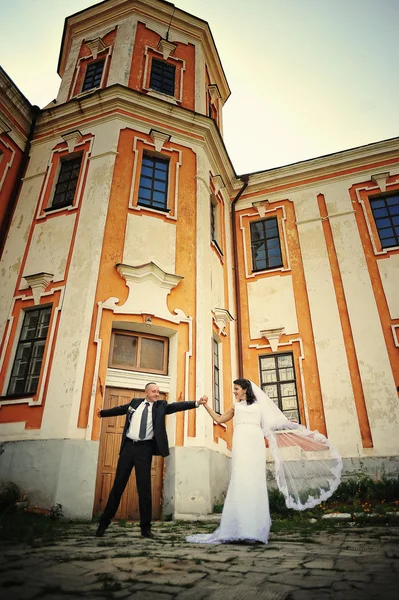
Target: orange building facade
<point>134,253</point>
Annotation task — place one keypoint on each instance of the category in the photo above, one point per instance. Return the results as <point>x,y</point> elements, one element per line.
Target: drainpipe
<point>245,179</point>
<point>18,182</point>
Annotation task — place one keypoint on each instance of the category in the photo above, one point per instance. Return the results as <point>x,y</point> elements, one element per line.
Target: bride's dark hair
<point>246,385</point>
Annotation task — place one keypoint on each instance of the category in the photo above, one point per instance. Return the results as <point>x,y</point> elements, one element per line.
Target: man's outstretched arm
<point>174,407</point>
<point>113,412</point>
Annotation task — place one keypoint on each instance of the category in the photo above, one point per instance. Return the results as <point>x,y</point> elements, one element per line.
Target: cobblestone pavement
<point>346,563</point>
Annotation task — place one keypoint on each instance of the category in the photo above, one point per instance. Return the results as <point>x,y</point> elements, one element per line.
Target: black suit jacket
<point>159,410</point>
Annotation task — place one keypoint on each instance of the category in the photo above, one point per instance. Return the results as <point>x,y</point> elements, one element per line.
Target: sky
<point>308,77</point>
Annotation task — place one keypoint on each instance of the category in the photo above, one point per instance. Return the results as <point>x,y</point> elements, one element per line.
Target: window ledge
<point>217,247</point>
<point>162,96</point>
<point>16,396</point>
<point>164,210</point>
<point>86,92</point>
<point>59,207</point>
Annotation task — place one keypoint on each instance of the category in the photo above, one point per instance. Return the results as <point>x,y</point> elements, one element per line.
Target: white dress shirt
<point>133,431</point>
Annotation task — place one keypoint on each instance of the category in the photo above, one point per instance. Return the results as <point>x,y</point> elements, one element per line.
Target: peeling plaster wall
<point>377,379</point>
<point>338,401</point>
<point>20,227</point>
<point>389,272</point>
<point>272,304</point>
<point>195,491</point>
<point>65,386</point>
<point>53,471</point>
<point>48,251</point>
<point>148,239</point>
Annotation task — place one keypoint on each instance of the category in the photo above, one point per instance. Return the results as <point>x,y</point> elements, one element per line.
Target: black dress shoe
<point>101,530</point>
<point>147,534</point>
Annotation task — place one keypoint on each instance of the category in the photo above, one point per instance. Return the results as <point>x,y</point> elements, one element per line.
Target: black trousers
<point>139,456</point>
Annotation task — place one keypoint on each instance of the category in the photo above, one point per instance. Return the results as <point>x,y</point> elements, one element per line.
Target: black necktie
<point>143,422</point>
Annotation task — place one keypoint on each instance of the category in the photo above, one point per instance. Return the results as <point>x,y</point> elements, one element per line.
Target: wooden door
<point>110,441</point>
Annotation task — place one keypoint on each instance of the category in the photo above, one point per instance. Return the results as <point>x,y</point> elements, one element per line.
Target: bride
<point>308,467</point>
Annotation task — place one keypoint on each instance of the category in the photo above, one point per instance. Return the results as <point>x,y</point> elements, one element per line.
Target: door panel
<point>110,441</point>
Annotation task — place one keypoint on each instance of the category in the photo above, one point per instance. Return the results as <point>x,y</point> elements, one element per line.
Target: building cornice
<point>16,105</point>
<point>332,166</point>
<point>118,101</point>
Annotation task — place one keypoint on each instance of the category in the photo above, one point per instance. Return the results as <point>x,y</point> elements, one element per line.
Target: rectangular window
<point>30,350</point>
<point>162,77</point>
<point>265,245</point>
<point>216,376</point>
<point>67,182</point>
<point>153,190</point>
<point>138,352</point>
<point>213,220</point>
<point>278,381</point>
<point>94,73</point>
<point>386,216</point>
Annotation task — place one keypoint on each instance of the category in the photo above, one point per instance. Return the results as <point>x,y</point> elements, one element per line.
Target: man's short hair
<point>149,383</point>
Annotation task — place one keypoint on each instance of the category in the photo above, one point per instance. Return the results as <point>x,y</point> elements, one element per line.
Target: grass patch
<point>110,584</point>
<point>31,528</point>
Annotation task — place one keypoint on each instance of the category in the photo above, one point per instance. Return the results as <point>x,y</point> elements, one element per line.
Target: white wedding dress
<point>246,514</point>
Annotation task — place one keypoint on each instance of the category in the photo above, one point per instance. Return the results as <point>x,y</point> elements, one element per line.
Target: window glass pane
<point>152,354</point>
<point>385,233</point>
<point>392,200</point>
<point>271,390</point>
<point>292,415</point>
<point>275,262</point>
<point>394,210</point>
<point>159,198</point>
<point>389,242</point>
<point>286,374</point>
<point>145,182</point>
<point>377,203</point>
<point>269,376</point>
<point>284,361</point>
<point>270,223</point>
<point>125,350</point>
<point>160,186</point>
<point>272,233</point>
<point>267,363</point>
<point>383,222</point>
<point>380,212</point>
<point>29,326</point>
<point>289,403</point>
<point>21,360</point>
<point>28,359</point>
<point>271,244</point>
<point>288,389</point>
<point>144,193</point>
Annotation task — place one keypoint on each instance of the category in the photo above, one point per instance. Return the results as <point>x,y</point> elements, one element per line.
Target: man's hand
<point>99,413</point>
<point>203,400</point>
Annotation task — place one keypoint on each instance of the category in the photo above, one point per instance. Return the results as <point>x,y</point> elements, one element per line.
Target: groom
<point>143,436</point>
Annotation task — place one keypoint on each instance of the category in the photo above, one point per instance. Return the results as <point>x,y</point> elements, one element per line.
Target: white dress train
<point>246,514</point>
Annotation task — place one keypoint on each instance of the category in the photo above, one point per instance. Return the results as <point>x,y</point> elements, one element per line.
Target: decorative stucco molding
<point>96,45</point>
<point>221,317</point>
<point>4,127</point>
<point>149,287</point>
<point>214,92</point>
<point>261,207</point>
<point>273,336</point>
<point>159,138</point>
<point>381,180</point>
<point>72,138</point>
<point>218,182</point>
<point>166,47</point>
<point>38,283</point>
